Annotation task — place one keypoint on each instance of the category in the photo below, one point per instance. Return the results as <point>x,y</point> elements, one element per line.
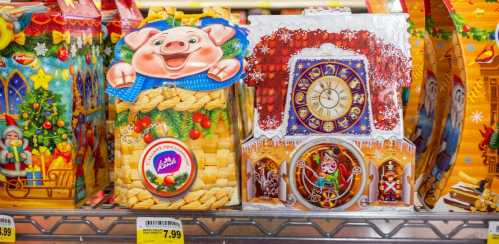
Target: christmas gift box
<point>176,131</point>
<point>328,127</point>
<point>459,173</point>
<point>53,147</point>
<point>411,95</point>
<point>118,18</point>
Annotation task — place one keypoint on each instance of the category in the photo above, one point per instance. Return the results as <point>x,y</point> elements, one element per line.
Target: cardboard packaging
<point>460,173</point>
<point>176,133</point>
<point>328,127</point>
<point>53,150</point>
<point>118,18</point>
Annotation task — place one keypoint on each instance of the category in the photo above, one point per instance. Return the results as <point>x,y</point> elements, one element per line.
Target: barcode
<point>163,223</point>
<point>5,221</point>
<point>497,228</point>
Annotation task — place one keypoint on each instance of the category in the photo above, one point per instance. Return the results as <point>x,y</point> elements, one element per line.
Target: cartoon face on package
<point>190,57</point>
<point>175,127</point>
<point>322,78</point>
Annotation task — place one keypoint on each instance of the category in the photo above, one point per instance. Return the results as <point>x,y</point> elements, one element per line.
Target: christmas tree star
<point>41,79</point>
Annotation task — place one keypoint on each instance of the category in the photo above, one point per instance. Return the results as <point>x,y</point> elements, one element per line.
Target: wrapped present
<point>53,94</point>
<point>176,129</point>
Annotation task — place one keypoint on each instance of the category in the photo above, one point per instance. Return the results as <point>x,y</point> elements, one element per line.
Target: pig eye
<point>157,42</point>
<point>193,40</point>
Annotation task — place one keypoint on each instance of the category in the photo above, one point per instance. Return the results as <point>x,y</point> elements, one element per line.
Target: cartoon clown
<point>424,126</point>
<point>15,155</point>
<point>332,172</point>
<point>451,134</point>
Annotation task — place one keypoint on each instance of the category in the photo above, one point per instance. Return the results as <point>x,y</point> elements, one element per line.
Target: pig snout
<point>175,45</point>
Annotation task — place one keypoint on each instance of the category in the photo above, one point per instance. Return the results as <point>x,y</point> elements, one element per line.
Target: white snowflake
<point>350,35</point>
<point>41,49</point>
<point>73,50</point>
<point>264,50</point>
<point>270,122</point>
<point>108,51</point>
<point>389,113</point>
<point>477,116</point>
<point>257,76</point>
<point>79,42</point>
<point>285,37</point>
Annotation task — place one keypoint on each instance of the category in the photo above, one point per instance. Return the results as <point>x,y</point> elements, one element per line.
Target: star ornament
<point>41,79</point>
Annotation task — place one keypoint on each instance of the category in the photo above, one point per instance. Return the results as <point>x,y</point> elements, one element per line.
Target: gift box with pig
<point>458,169</point>
<point>175,131</point>
<point>51,91</point>
<point>328,127</point>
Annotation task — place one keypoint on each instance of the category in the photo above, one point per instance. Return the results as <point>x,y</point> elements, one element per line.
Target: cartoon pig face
<point>177,52</point>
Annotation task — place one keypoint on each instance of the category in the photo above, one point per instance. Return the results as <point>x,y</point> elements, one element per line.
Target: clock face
<point>329,97</point>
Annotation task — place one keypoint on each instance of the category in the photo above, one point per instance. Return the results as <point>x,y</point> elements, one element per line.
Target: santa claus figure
<point>15,155</point>
<point>424,127</point>
<point>389,184</point>
<point>452,132</point>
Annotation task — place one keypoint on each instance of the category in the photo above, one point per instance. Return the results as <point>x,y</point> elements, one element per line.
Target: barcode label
<point>6,221</point>
<point>159,223</point>
<point>162,223</point>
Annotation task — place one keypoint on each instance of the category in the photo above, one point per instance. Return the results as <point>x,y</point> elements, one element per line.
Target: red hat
<point>457,81</point>
<point>11,126</point>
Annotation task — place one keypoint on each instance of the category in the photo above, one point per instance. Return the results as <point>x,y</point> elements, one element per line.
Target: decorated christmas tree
<point>42,115</point>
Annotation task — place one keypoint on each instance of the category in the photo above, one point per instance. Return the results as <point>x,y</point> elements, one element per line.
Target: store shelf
<point>274,4</point>
<point>108,222</point>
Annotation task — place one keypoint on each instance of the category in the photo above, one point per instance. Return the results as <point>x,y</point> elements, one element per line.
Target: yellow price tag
<point>264,4</point>
<point>159,230</point>
<point>334,4</point>
<point>194,4</point>
<point>7,229</point>
<point>493,236</point>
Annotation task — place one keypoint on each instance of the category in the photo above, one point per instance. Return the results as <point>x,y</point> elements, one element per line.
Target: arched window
<point>266,178</point>
<point>390,181</point>
<point>12,92</point>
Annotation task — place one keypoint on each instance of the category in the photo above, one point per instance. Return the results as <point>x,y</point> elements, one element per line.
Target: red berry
<point>145,122</point>
<point>169,180</point>
<point>148,138</point>
<point>197,117</point>
<point>466,28</point>
<point>47,125</point>
<point>138,127</point>
<point>206,122</point>
<point>194,134</point>
<point>62,54</point>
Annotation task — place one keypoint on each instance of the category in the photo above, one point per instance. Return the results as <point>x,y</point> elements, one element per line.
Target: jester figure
<point>333,173</point>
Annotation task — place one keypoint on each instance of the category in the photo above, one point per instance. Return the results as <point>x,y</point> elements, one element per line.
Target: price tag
<point>493,236</point>
<point>7,229</point>
<point>159,230</point>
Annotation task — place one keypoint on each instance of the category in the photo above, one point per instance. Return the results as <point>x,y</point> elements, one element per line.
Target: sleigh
<point>58,185</point>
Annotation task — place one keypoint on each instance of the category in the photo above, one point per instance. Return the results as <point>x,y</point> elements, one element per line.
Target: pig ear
<point>219,34</point>
<point>138,38</point>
